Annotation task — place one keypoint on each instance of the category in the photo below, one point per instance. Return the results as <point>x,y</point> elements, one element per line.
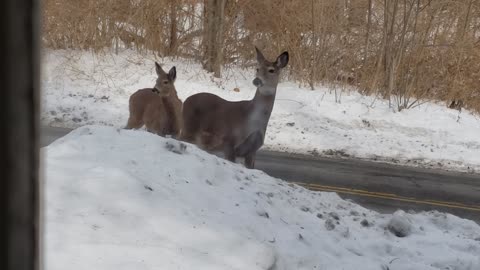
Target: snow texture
<point>84,88</point>
<point>121,199</point>
<point>400,224</point>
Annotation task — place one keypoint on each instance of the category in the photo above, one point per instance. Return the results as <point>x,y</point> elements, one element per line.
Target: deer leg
<point>250,160</point>
<point>186,136</point>
<point>229,151</point>
<point>250,145</point>
<point>190,125</point>
<point>134,123</point>
<point>157,129</point>
<point>152,126</point>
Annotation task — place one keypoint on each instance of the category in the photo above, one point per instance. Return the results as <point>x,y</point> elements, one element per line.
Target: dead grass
<point>406,51</point>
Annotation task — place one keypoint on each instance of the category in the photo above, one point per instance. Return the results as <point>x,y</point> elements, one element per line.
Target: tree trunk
<point>208,33</point>
<point>313,61</point>
<point>218,52</point>
<point>172,46</point>
<point>389,78</point>
<point>367,34</point>
<point>465,19</point>
<point>213,35</point>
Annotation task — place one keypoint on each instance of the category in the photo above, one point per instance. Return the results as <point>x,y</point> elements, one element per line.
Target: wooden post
<point>19,80</point>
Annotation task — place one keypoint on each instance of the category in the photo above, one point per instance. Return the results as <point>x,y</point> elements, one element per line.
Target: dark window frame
<point>19,128</point>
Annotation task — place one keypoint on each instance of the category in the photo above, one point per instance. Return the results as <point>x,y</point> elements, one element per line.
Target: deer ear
<point>282,60</point>
<point>172,74</point>
<point>260,57</point>
<point>159,69</point>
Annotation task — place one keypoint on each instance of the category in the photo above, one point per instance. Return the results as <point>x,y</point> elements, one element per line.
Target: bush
<point>404,51</point>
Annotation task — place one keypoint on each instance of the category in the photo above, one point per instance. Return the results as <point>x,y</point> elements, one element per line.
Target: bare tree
<point>172,47</point>
<point>213,35</point>
<point>402,50</point>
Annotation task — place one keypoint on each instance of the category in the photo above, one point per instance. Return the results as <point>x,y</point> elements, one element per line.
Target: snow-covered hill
<point>123,200</point>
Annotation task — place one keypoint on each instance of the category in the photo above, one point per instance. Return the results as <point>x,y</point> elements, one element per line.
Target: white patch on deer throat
<point>267,90</point>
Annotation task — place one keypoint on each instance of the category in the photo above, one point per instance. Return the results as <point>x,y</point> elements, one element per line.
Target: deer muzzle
<point>257,82</point>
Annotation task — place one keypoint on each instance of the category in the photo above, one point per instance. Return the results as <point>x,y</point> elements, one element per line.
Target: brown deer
<point>236,128</point>
<point>158,108</point>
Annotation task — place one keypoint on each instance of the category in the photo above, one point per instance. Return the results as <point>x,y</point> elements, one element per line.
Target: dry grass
<point>406,51</point>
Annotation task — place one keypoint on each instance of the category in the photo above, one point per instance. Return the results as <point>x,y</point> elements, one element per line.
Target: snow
<point>121,199</point>
<point>84,88</point>
<point>400,225</point>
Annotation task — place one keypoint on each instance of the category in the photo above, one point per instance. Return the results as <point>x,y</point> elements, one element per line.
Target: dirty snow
<point>83,88</point>
<point>121,199</point>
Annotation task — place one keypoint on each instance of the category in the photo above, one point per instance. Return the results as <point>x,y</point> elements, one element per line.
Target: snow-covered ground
<point>82,88</point>
<point>121,199</point>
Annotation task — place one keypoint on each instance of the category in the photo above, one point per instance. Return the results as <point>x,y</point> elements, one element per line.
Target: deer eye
<point>258,69</point>
<point>271,70</point>
<point>165,82</point>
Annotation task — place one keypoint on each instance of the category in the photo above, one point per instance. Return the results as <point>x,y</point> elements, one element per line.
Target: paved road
<point>381,187</point>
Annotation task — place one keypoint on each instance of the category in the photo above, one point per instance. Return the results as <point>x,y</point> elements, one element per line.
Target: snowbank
<point>83,88</point>
<point>118,199</point>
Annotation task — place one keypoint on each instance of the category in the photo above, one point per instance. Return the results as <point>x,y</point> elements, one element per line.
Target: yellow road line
<point>388,196</point>
<point>346,189</point>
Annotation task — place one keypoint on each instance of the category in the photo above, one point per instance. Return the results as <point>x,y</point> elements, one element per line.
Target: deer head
<point>268,73</point>
<point>164,85</point>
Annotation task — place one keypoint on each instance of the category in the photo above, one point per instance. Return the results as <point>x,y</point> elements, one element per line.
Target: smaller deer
<point>236,128</point>
<point>158,108</point>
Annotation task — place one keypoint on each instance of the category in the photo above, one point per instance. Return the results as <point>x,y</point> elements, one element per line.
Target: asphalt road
<point>382,187</point>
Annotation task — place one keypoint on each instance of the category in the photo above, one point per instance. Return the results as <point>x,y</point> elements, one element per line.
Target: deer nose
<point>257,82</point>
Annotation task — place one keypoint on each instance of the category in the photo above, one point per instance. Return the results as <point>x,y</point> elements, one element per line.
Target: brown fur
<point>236,128</point>
<point>158,108</point>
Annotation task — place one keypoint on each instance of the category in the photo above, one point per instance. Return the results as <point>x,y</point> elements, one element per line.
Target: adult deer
<point>236,128</point>
<point>158,108</point>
